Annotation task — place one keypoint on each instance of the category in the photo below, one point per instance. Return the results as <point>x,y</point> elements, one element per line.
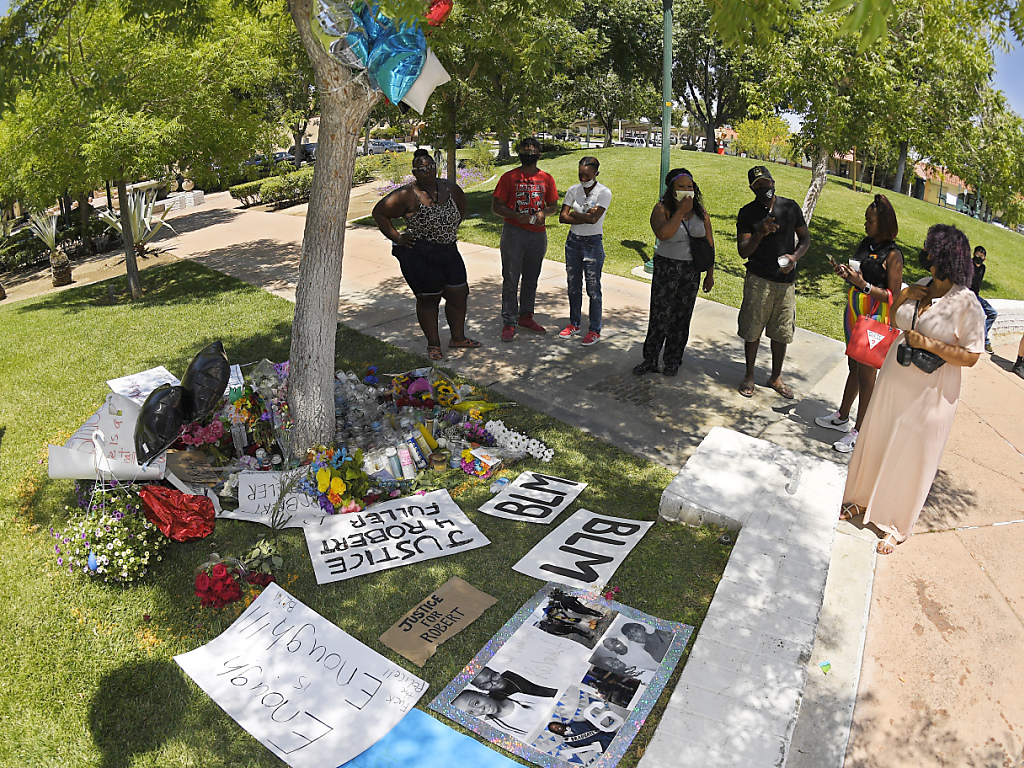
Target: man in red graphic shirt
<point>524,197</point>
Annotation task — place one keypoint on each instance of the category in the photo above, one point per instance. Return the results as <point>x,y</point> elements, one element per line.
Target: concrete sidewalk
<point>940,680</point>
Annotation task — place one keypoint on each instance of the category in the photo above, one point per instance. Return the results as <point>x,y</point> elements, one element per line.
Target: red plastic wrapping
<point>179,516</point>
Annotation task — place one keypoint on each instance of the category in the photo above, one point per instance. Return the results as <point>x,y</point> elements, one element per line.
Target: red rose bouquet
<point>217,585</point>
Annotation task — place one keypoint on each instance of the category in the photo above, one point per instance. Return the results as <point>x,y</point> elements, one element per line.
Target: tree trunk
<point>300,151</point>
<point>710,143</point>
<point>130,265</point>
<point>346,101</point>
<point>84,211</point>
<point>453,163</point>
<point>853,171</point>
<point>366,141</point>
<point>609,126</point>
<point>901,167</point>
<point>504,152</point>
<point>819,175</point>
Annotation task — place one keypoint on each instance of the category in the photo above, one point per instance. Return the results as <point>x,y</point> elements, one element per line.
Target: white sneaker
<point>832,421</point>
<point>848,441</point>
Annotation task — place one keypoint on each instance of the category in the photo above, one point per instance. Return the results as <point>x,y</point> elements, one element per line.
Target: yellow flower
<point>338,486</point>
<point>323,479</point>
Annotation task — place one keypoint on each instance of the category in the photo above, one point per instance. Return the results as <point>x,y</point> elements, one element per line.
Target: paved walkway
<point>940,677</point>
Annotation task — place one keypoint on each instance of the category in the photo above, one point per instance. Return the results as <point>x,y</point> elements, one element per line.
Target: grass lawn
<point>837,226</point>
<point>87,677</point>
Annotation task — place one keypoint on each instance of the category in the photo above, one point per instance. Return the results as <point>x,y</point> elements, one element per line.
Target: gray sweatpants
<point>522,253</point>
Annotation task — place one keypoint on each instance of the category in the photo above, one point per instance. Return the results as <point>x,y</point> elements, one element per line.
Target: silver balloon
<point>331,21</point>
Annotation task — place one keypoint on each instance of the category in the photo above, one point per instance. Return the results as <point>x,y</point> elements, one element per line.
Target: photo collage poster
<point>568,681</point>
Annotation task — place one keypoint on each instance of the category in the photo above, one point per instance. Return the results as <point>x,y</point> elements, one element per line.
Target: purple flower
<point>60,561</point>
<point>325,505</point>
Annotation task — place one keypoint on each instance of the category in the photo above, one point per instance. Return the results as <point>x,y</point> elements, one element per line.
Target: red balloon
<point>179,516</point>
<point>438,12</point>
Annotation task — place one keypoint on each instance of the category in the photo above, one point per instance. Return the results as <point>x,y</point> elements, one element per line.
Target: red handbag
<point>870,341</point>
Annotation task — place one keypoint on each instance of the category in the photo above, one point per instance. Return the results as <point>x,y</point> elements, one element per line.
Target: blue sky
<point>1008,71</point>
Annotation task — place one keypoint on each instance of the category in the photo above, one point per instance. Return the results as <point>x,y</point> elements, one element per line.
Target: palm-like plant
<point>45,228</point>
<point>140,217</point>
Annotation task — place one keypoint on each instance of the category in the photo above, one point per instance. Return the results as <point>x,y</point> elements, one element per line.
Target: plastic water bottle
<point>498,484</point>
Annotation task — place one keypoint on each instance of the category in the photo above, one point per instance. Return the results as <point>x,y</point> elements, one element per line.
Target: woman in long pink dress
<point>911,412</point>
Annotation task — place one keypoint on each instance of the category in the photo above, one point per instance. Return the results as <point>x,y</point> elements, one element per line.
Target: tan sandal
<point>435,353</point>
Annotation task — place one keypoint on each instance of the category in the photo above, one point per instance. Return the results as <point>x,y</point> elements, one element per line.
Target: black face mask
<point>528,158</point>
<point>765,196</point>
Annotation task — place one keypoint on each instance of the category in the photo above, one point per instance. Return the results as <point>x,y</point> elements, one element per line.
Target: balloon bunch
<point>393,56</point>
<point>169,408</point>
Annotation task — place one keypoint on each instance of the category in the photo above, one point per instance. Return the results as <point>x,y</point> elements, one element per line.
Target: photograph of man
<point>493,710</point>
<point>611,686</point>
<point>581,733</point>
<point>508,683</point>
<point>655,643</point>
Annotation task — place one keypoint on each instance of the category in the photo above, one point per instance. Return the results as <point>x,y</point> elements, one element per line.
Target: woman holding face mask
<point>677,217</point>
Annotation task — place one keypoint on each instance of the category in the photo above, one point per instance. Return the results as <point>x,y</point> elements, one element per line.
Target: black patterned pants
<point>673,294</point>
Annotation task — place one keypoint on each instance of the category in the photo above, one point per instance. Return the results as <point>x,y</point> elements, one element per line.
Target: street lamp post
<point>666,91</point>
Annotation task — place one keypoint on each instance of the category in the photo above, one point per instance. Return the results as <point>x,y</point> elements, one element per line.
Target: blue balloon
<point>92,561</point>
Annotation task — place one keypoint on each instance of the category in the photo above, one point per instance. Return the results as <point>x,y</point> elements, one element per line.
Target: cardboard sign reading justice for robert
<point>309,692</point>
<point>399,532</point>
<point>534,498</point>
<point>584,551</point>
<point>447,611</point>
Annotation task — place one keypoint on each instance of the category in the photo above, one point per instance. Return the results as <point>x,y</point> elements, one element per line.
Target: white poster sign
<point>308,691</point>
<point>584,551</point>
<point>390,534</point>
<point>534,498</point>
<point>258,493</point>
<point>137,386</point>
<point>104,445</point>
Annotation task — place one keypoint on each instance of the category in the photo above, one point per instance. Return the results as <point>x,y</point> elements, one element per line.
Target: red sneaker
<point>508,333</point>
<point>569,331</point>
<point>590,339</point>
<point>527,322</point>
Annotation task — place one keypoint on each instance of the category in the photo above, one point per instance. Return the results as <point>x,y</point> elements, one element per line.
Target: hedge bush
<point>247,193</point>
<point>291,188</point>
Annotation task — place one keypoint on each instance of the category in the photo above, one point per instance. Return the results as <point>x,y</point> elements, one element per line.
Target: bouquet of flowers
<point>249,410</point>
<point>217,584</point>
<point>110,538</point>
<point>336,479</point>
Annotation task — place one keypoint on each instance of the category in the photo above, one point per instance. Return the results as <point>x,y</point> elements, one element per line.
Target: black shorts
<point>430,267</point>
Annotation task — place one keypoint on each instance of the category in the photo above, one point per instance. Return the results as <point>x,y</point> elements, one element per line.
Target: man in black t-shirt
<point>980,254</point>
<point>772,236</point>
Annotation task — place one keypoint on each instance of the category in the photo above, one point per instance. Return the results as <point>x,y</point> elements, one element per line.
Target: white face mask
<point>682,194</point>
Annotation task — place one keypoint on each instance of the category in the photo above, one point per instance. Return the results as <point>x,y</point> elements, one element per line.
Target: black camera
<point>904,354</point>
<point>927,361</point>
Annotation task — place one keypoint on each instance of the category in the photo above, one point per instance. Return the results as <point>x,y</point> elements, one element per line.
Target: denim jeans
<point>584,259</point>
<point>522,254</point>
<point>990,316</point>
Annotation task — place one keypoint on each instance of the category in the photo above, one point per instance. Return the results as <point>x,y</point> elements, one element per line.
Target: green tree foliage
<point>764,139</point>
<point>989,155</point>
<point>707,76</point>
<point>124,102</point>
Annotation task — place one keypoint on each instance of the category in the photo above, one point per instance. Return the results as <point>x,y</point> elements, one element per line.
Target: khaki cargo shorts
<point>767,307</point>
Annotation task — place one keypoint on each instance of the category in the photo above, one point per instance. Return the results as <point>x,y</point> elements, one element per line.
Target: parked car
<point>380,146</point>
<point>636,142</point>
<point>309,150</point>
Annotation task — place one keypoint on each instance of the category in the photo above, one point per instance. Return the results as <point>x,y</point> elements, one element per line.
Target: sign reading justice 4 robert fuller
<point>400,532</point>
<point>584,551</point>
<point>534,498</point>
<point>309,692</point>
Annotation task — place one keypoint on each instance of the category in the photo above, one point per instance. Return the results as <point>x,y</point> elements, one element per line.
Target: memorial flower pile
<point>217,585</point>
<point>335,478</point>
<point>109,538</point>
